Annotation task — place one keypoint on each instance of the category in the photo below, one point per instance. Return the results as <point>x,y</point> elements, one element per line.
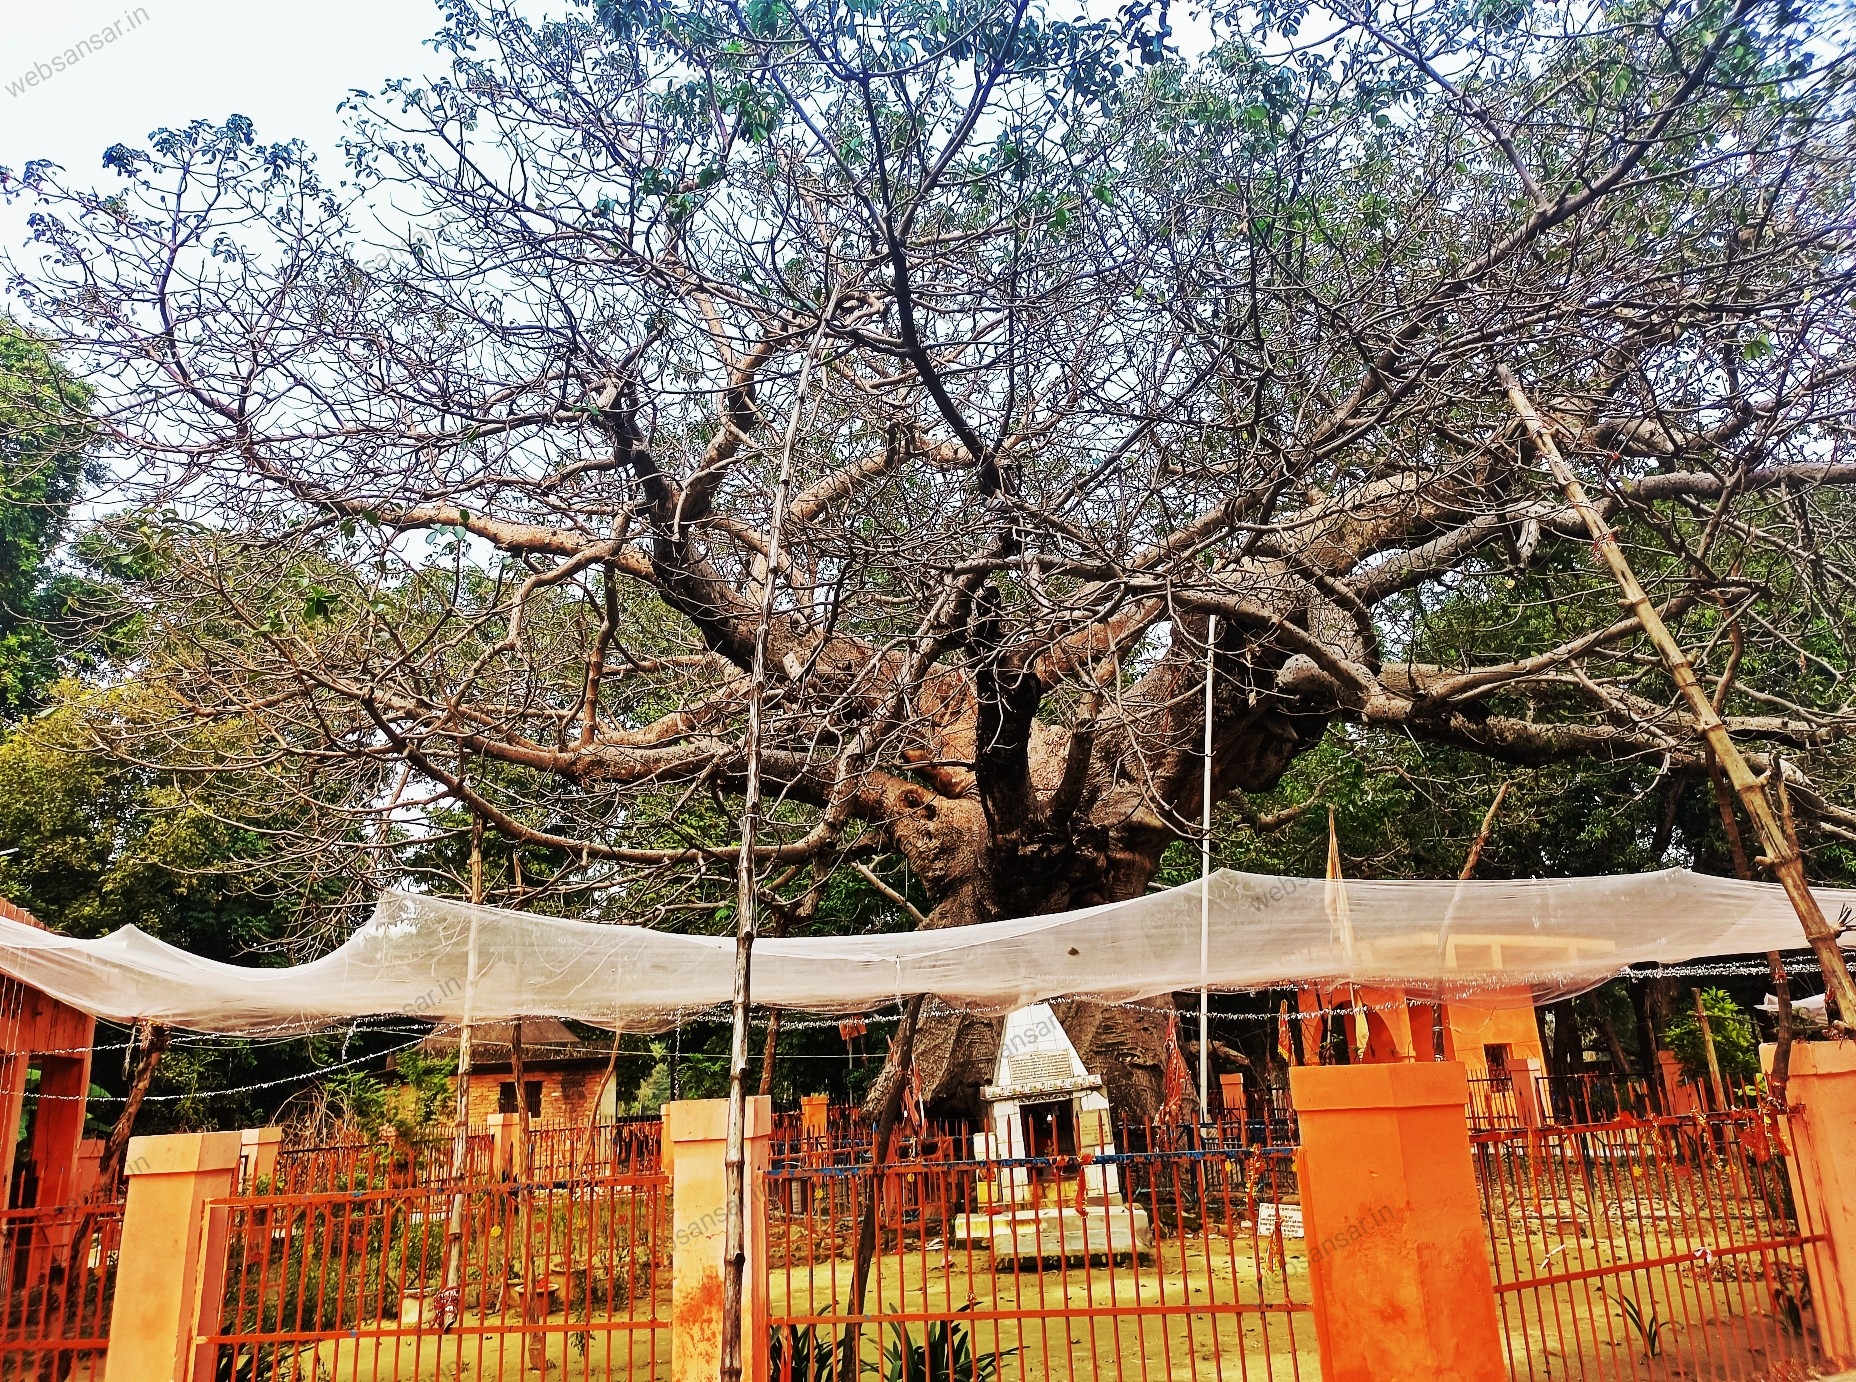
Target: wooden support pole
<point>1784,861</point>
<point>1482,835</point>
<point>449,1309</point>
<point>1780,1073</point>
<point>1714,1059</point>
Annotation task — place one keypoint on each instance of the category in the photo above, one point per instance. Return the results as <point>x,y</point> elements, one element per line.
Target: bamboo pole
<point>1205,888</point>
<point>1482,835</point>
<point>1470,861</point>
<point>1714,1059</point>
<point>518,1072</point>
<point>747,898</point>
<point>1775,963</point>
<point>451,1303</point>
<point>1784,861</point>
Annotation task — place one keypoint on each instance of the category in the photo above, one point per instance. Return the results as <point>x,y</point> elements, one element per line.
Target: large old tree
<point>454,480</point>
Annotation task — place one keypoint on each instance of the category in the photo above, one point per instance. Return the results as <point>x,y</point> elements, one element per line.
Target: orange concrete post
<point>170,1278</point>
<point>257,1158</point>
<point>695,1140</point>
<point>13,1070</point>
<point>1678,1095</point>
<point>1397,1254</point>
<point>1822,1092</point>
<point>503,1129</point>
<point>58,1125</point>
<point>814,1120</point>
<point>1532,1094</point>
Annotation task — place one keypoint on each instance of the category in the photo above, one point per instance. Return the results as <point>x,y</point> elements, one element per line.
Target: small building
<point>1492,1032</point>
<point>38,1033</point>
<point>561,1072</point>
<point>1046,1126</point>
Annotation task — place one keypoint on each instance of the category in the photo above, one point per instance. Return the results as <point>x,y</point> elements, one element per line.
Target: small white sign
<point>1270,1215</point>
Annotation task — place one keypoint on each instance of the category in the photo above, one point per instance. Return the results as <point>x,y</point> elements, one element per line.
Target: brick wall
<point>565,1094</point>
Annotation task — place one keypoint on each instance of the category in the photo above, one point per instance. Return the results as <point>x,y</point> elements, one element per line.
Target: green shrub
<point>802,1355</point>
<point>945,1355</point>
<point>1736,1045</point>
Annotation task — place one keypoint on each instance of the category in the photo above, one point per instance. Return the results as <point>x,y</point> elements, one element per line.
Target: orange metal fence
<point>1148,1264</point>
<point>60,1265</point>
<point>555,1151</point>
<point>563,1151</point>
<point>359,1163</point>
<point>490,1282</point>
<point>1649,1248</point>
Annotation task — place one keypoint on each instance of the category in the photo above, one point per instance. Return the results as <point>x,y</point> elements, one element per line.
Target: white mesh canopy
<point>427,957</point>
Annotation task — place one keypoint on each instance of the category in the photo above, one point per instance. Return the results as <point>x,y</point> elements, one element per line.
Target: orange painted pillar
<point>89,1159</point>
<point>814,1121</point>
<point>58,1125</point>
<point>1397,1251</point>
<point>170,1282</point>
<point>695,1141</point>
<point>1314,1022</point>
<point>1822,1093</point>
<point>1388,1022</point>
<point>258,1149</point>
<point>1678,1094</point>
<point>1532,1094</point>
<point>13,1069</point>
<point>503,1129</point>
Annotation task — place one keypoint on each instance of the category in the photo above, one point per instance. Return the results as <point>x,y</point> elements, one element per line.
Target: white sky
<point>284,66</point>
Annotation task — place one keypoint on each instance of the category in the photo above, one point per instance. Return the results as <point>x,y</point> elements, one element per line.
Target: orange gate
<point>489,1281</point>
<point>1649,1248</point>
<point>60,1265</point>
<point>1151,1264</point>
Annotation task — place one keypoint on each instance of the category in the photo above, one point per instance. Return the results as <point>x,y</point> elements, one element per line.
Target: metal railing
<point>1648,1248</point>
<point>563,1151</point>
<point>570,1280</point>
<point>1134,1264</point>
<point>60,1277</point>
<point>355,1161</point>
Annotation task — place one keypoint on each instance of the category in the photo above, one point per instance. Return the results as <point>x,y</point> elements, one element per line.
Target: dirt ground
<point>1163,1315</point>
<point>1168,1314</point>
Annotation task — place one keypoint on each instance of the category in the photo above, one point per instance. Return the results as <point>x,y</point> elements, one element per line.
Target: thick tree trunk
<point>1051,819</point>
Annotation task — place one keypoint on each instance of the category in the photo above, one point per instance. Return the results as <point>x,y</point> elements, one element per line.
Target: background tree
<point>44,433</point>
<point>462,485</point>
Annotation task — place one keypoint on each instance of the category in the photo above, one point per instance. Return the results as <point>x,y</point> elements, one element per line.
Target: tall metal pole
<point>1205,890</point>
<point>1784,861</point>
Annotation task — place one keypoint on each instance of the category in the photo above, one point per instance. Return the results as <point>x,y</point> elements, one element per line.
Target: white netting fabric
<point>415,956</point>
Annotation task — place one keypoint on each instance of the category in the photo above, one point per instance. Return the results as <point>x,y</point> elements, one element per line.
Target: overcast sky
<point>285,66</point>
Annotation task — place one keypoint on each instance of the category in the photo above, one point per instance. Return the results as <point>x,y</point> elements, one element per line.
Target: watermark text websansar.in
<point>47,68</point>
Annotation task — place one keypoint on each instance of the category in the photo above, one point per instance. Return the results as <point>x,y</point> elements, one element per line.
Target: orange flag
<point>1308,1003</point>
<point>1284,1046</point>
